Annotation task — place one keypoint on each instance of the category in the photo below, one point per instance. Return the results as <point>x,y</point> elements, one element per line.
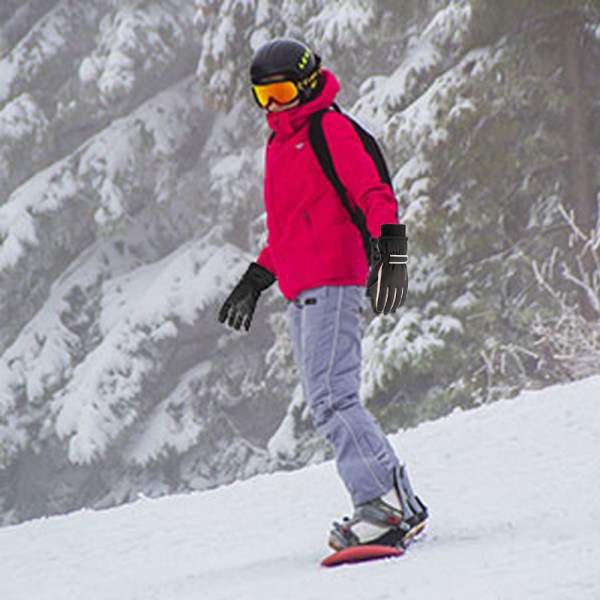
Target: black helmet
<point>294,60</point>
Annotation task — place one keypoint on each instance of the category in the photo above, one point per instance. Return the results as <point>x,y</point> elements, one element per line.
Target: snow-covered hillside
<point>513,489</point>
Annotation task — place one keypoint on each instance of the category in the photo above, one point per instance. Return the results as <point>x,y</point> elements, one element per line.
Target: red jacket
<point>312,241</point>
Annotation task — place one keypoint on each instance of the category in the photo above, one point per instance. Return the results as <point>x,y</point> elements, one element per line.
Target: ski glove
<point>239,307</point>
<point>388,280</point>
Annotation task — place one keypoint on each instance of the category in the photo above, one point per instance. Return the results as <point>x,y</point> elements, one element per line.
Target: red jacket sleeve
<point>265,260</point>
<point>358,173</point>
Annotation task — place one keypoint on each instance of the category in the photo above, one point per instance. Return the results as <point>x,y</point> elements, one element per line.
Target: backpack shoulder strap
<point>321,150</point>
<point>373,149</point>
<point>319,144</point>
<point>370,144</point>
<point>323,154</point>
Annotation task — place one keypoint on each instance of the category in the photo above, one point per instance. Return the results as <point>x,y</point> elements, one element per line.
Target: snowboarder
<point>318,257</point>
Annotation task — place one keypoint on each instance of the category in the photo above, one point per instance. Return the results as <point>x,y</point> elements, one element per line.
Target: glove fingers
<point>398,299</point>
<point>238,321</point>
<point>382,298</point>
<point>404,287</point>
<point>232,317</point>
<point>391,299</point>
<point>381,290</point>
<point>239,307</point>
<point>401,290</point>
<point>223,312</point>
<point>387,286</point>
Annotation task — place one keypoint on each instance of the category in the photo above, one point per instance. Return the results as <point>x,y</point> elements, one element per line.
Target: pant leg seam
<point>331,405</point>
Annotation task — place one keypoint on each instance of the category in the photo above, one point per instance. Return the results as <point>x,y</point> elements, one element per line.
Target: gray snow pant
<point>324,324</point>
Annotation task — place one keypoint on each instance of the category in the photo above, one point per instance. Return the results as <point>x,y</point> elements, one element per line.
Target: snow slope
<point>513,488</point>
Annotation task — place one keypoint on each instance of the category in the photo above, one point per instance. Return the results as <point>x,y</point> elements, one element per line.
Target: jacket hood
<point>290,121</point>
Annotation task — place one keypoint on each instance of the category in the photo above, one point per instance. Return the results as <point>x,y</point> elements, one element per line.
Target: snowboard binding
<point>393,520</point>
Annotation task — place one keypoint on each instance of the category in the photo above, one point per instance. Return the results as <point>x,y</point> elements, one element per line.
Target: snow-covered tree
<point>131,202</point>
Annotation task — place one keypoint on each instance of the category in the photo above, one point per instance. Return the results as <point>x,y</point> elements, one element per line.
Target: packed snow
<point>513,490</point>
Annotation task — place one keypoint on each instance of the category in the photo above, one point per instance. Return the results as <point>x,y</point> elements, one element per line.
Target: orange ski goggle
<point>282,92</point>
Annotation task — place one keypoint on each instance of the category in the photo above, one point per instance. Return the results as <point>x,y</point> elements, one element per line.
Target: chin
<point>281,108</point>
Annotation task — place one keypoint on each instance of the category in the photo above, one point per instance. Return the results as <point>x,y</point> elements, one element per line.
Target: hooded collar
<point>289,121</point>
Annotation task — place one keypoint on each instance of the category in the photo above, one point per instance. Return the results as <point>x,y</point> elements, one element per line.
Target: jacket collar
<point>288,122</point>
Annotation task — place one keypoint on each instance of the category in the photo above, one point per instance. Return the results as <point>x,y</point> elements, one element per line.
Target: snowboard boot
<point>392,520</point>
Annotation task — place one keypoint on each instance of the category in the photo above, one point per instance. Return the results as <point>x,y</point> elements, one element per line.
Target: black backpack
<point>320,148</point>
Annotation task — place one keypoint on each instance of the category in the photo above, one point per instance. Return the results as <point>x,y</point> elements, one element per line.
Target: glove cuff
<point>393,230</point>
<point>393,239</point>
<point>259,277</point>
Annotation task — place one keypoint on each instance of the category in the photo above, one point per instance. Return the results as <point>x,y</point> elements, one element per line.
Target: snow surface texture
<point>512,487</point>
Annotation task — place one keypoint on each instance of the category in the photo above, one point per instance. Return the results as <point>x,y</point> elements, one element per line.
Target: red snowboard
<point>356,554</point>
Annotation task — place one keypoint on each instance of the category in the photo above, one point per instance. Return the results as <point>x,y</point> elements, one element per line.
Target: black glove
<point>388,280</point>
<point>239,307</point>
